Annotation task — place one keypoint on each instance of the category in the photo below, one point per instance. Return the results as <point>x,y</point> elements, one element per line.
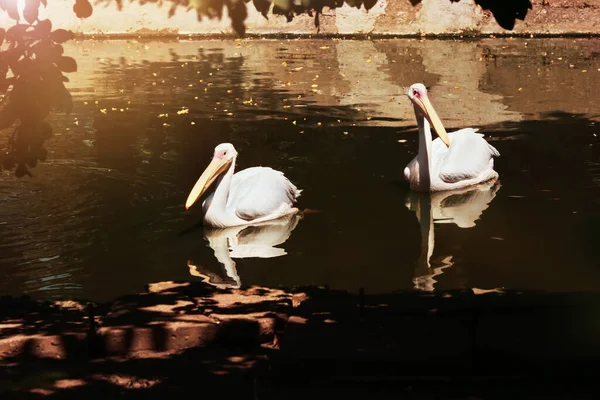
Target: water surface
<point>105,214</point>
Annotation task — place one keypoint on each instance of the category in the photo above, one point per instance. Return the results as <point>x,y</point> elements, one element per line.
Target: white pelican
<point>452,161</point>
<point>462,207</point>
<point>249,241</point>
<point>250,196</point>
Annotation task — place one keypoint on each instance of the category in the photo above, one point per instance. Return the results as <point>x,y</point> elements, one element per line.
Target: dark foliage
<point>32,82</point>
<point>237,9</point>
<point>336,343</point>
<point>506,12</point>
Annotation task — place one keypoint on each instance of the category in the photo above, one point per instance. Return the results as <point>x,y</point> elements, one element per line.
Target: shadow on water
<point>499,343</point>
<point>87,364</point>
<point>543,209</point>
<point>106,210</point>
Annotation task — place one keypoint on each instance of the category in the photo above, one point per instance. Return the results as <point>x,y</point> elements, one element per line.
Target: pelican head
<point>417,93</point>
<point>223,157</point>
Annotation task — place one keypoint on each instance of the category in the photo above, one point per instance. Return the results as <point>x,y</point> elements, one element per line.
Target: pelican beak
<point>429,112</point>
<point>216,167</point>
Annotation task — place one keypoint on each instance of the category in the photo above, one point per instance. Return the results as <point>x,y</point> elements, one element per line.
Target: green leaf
<point>7,116</point>
<point>283,4</point>
<point>61,35</point>
<point>66,101</point>
<point>5,83</point>
<point>43,28</point>
<point>66,64</point>
<point>238,13</point>
<point>369,4</point>
<point>10,6</point>
<point>30,12</point>
<point>16,32</point>
<point>24,67</point>
<point>262,6</point>
<point>82,8</point>
<point>46,51</point>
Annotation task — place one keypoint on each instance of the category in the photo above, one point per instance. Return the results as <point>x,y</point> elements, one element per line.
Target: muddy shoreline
<point>467,35</point>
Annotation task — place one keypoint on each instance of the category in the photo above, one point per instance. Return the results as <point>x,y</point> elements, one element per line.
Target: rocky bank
<point>386,17</point>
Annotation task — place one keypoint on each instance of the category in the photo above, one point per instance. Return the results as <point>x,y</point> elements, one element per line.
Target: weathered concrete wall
<point>394,17</point>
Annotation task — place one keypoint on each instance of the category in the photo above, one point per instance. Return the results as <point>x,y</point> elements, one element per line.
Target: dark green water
<point>105,214</point>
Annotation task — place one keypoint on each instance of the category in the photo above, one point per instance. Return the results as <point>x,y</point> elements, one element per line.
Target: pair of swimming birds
<point>254,195</point>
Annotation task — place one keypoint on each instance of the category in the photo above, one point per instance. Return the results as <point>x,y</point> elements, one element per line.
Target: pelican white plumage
<point>454,160</point>
<point>250,196</point>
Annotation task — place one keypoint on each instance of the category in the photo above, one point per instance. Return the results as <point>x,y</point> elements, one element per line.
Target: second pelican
<point>454,160</point>
<point>250,196</point>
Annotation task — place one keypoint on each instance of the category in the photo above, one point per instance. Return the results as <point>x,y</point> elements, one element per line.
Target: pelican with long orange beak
<point>250,196</point>
<point>453,160</point>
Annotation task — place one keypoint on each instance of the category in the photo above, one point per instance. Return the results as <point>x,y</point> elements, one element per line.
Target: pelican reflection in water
<point>462,207</point>
<point>247,241</point>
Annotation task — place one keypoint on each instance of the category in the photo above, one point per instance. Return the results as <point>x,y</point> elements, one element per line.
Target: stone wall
<point>387,17</point>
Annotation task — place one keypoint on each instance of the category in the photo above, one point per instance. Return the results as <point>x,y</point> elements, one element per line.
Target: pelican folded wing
<point>470,156</point>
